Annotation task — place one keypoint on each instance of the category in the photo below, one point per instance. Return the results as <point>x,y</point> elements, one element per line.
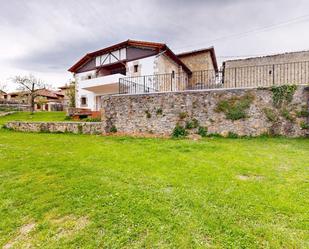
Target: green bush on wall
<point>113,129</point>
<point>282,94</point>
<point>202,131</point>
<point>270,115</point>
<point>179,132</point>
<point>235,107</point>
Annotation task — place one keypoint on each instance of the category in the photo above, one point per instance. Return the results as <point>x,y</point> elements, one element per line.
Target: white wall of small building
<point>80,92</point>
<point>145,66</point>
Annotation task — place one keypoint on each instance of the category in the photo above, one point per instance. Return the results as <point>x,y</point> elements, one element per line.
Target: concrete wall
<point>139,113</point>
<point>288,68</point>
<point>57,127</point>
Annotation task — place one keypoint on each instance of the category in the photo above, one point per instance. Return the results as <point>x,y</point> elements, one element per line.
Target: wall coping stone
<point>306,87</point>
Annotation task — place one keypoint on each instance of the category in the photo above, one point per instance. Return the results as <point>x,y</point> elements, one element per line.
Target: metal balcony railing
<point>235,77</point>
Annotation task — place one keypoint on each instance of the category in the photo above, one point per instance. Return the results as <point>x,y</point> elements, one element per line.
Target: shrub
<point>159,111</point>
<point>286,114</point>
<point>113,129</point>
<point>214,135</point>
<point>232,135</point>
<point>304,125</point>
<point>92,120</point>
<point>303,113</point>
<point>202,131</point>
<point>179,131</point>
<point>270,115</point>
<point>183,115</point>
<point>192,124</point>
<point>189,125</point>
<point>67,118</point>
<point>5,127</point>
<point>148,114</point>
<point>195,123</point>
<point>283,94</point>
<point>235,108</point>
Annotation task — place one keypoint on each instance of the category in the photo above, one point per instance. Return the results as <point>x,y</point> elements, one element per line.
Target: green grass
<point>37,116</point>
<point>78,191</point>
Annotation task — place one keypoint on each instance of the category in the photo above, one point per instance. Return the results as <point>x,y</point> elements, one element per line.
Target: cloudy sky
<point>45,38</point>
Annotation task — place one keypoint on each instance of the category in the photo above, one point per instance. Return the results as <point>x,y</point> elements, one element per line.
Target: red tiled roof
<point>64,87</point>
<point>159,47</point>
<point>48,93</point>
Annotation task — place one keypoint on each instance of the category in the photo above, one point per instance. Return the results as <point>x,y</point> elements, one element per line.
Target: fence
<point>238,77</point>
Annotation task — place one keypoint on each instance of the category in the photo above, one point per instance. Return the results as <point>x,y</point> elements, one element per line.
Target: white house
<point>99,73</point>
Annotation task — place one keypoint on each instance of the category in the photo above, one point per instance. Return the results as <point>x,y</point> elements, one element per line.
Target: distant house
<point>66,91</point>
<point>285,68</point>
<point>2,94</point>
<point>49,100</point>
<point>45,100</point>
<point>135,66</point>
<point>17,97</point>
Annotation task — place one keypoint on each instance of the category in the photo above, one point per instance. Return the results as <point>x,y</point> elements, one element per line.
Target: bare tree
<point>30,85</point>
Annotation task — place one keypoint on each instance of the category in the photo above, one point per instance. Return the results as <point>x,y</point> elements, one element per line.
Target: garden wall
<point>13,107</point>
<point>245,112</point>
<point>57,127</point>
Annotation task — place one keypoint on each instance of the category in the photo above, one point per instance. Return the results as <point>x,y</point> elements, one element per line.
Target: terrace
<point>232,77</point>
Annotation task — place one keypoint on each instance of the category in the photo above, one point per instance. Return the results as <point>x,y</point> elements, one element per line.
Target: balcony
<point>105,84</point>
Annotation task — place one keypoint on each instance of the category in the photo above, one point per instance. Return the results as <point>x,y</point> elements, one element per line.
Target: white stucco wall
<point>145,66</point>
<point>120,54</point>
<point>82,92</point>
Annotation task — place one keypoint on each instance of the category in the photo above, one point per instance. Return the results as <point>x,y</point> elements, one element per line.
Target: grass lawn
<point>78,191</point>
<point>37,116</point>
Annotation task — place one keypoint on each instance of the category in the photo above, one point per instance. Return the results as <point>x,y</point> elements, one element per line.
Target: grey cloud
<point>84,26</point>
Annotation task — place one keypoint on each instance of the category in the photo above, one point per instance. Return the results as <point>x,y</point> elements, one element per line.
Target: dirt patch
<point>67,226</point>
<point>249,177</point>
<point>22,236</point>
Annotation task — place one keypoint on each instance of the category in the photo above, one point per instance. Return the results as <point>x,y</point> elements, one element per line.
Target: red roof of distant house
<point>199,51</point>
<point>49,93</point>
<point>17,93</point>
<point>159,47</point>
<point>64,87</point>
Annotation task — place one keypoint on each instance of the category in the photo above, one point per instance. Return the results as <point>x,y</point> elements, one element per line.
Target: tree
<point>71,94</point>
<point>30,85</point>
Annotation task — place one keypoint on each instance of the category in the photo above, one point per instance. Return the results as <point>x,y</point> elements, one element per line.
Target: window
<point>173,74</point>
<point>135,68</point>
<point>89,77</point>
<point>83,101</point>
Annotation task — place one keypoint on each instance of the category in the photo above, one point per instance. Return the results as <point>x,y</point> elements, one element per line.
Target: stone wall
<point>280,69</point>
<point>57,127</point>
<point>159,113</point>
<point>199,61</point>
<point>14,107</point>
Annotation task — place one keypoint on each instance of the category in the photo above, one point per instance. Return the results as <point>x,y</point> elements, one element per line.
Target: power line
<point>299,19</point>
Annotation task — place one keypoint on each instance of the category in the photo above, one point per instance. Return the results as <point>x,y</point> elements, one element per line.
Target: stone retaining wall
<point>57,127</point>
<point>14,107</point>
<point>159,113</point>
